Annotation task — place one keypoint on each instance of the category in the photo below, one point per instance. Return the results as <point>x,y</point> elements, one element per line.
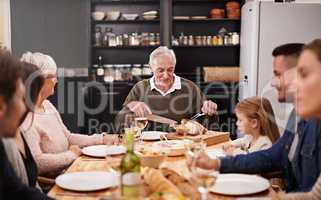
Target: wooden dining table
<point>84,163</point>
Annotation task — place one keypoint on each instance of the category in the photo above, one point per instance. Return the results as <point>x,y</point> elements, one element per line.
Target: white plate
<point>174,147</point>
<point>152,135</point>
<point>103,150</point>
<point>239,184</point>
<point>215,153</point>
<point>88,181</point>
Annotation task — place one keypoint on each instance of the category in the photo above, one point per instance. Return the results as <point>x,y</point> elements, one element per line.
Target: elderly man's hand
<point>139,108</point>
<point>209,108</point>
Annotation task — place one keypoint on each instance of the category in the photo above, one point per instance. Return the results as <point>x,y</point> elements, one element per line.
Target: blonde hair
<point>261,110</point>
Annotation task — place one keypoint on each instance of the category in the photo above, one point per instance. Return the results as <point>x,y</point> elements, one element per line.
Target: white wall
<point>5,34</point>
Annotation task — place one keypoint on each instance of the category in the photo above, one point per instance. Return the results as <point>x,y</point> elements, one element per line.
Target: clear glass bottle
<point>105,37</point>
<point>235,38</point>
<point>190,40</point>
<point>98,37</point>
<point>111,38</point>
<point>157,39</point>
<point>125,40</point>
<point>152,39</point>
<point>109,73</point>
<point>130,168</point>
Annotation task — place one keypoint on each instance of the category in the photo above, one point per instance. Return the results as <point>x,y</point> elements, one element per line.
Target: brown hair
<point>261,110</point>
<point>315,47</point>
<point>10,73</point>
<point>33,81</point>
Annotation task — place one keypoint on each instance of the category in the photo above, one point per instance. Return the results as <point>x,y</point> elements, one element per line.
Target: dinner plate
<point>152,135</point>
<point>239,184</point>
<point>174,147</point>
<point>103,150</point>
<point>88,181</point>
<point>215,153</point>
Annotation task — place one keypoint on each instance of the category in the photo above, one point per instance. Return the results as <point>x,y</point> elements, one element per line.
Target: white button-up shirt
<point>177,85</point>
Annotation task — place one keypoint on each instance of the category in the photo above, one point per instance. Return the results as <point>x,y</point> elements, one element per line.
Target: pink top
<point>49,140</point>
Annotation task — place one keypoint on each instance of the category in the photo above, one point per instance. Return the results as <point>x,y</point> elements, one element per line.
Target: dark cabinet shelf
<point>206,20</point>
<point>126,21</point>
<point>126,47</point>
<point>216,46</point>
<point>123,1</point>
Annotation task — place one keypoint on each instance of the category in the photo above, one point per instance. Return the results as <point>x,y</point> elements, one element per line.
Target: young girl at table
<point>255,119</point>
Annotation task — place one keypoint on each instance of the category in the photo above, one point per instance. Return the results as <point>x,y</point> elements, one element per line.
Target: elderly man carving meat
<point>165,93</point>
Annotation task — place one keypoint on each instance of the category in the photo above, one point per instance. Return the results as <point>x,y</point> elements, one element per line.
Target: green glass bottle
<point>130,168</point>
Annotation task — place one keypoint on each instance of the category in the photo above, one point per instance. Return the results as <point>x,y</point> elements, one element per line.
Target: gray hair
<point>45,63</point>
<point>162,50</point>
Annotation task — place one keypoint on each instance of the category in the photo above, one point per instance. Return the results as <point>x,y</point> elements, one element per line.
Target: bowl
<point>149,17</point>
<point>130,16</point>
<point>98,15</point>
<point>113,15</point>
<point>153,161</point>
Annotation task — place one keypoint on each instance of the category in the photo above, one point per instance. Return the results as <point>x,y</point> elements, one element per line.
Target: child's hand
<point>229,150</point>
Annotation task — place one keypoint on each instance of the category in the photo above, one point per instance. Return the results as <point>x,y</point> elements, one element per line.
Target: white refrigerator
<point>264,26</point>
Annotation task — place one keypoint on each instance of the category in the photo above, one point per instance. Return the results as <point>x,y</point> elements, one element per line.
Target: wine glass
<point>203,179</point>
<point>140,123</point>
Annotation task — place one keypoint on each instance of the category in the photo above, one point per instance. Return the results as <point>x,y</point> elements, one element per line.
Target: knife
<point>160,119</point>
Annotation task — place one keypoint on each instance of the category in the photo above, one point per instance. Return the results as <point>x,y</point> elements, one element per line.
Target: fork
<point>197,115</point>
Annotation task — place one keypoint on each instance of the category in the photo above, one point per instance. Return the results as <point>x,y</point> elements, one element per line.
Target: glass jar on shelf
<point>152,39</point>
<point>226,40</point>
<point>117,72</point>
<point>126,72</point>
<point>145,39</point>
<point>105,36</point>
<point>133,39</point>
<point>185,41</point>
<point>137,70</point>
<point>157,39</point>
<point>125,40</point>
<point>98,37</point>
<point>214,40</point>
<point>220,40</point>
<point>235,38</point>
<point>109,73</point>
<point>190,40</point>
<point>147,71</point>
<point>119,40</point>
<point>198,40</point>
<point>181,39</point>
<point>209,40</point>
<point>111,38</point>
<point>204,40</point>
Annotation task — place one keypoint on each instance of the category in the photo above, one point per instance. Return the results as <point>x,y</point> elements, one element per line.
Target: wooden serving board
<point>210,137</point>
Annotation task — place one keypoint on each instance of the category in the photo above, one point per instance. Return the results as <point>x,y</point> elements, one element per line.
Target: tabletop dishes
<point>103,150</point>
<point>239,184</point>
<point>152,135</point>
<point>173,147</point>
<point>88,181</point>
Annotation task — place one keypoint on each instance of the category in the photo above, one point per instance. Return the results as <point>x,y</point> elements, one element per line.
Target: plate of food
<point>152,135</point>
<point>174,147</point>
<point>103,150</point>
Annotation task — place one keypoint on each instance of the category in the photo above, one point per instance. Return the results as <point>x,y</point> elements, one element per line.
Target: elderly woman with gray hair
<point>53,146</point>
<point>165,94</point>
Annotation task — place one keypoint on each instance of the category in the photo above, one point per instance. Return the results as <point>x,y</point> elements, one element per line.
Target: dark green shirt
<point>177,105</point>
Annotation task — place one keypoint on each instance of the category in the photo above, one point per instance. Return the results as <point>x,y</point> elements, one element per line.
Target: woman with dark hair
<point>16,148</point>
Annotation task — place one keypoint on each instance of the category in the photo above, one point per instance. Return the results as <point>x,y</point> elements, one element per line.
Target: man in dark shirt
<point>297,154</point>
<point>12,112</point>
